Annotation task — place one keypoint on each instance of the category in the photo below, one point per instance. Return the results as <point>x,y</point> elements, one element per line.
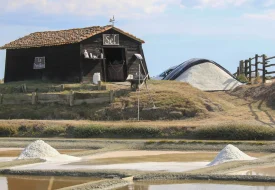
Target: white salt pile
<point>230,153</point>
<point>40,149</point>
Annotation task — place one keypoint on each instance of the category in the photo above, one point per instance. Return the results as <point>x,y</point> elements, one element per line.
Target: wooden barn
<point>74,55</point>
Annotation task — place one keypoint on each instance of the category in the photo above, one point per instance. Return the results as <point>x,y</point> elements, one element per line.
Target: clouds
<point>121,8</point>
<point>227,3</point>
<point>268,15</point>
<point>213,3</point>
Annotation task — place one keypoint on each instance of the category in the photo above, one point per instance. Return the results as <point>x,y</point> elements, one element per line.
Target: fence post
<point>238,71</point>
<point>256,65</point>
<point>111,96</point>
<point>33,98</point>
<point>250,77</point>
<point>62,87</point>
<point>241,67</point>
<point>99,85</point>
<point>1,98</point>
<point>245,68</point>
<point>24,88</point>
<point>71,98</point>
<point>264,62</point>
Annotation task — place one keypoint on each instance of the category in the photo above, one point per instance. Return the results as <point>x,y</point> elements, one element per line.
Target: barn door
<point>116,69</point>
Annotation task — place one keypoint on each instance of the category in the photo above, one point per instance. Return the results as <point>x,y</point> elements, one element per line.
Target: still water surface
<point>40,183</point>
<point>200,186</point>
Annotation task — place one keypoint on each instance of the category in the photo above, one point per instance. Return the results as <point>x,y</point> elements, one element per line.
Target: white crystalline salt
<point>40,149</point>
<point>230,153</point>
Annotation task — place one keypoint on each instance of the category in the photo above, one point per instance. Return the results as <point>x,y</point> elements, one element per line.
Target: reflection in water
<point>40,183</point>
<point>197,186</point>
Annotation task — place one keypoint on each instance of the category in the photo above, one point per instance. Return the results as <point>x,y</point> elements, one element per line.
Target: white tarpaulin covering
<point>205,75</point>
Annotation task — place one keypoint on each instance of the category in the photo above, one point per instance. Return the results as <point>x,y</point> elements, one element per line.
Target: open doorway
<point>116,69</point>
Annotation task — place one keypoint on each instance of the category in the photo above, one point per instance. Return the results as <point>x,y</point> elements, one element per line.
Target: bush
<point>242,78</point>
<point>235,132</point>
<point>8,131</point>
<point>53,131</point>
<point>111,132</point>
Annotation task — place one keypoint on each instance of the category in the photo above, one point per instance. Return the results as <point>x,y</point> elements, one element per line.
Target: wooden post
<point>71,98</point>
<point>33,98</point>
<point>62,87</point>
<point>1,98</point>
<point>99,85</point>
<point>245,68</point>
<point>250,77</point>
<point>24,88</point>
<point>238,71</point>
<point>111,96</point>
<point>241,66</point>
<point>256,65</point>
<point>264,62</point>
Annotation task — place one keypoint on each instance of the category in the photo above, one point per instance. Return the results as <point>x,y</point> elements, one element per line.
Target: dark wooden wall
<point>62,63</point>
<point>94,45</point>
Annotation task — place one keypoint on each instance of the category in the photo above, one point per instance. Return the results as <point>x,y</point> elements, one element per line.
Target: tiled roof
<point>61,37</point>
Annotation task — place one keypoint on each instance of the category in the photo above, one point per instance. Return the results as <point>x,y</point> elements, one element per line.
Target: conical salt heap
<point>230,153</point>
<point>38,149</point>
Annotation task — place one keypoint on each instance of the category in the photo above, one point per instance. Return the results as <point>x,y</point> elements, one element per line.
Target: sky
<point>225,31</point>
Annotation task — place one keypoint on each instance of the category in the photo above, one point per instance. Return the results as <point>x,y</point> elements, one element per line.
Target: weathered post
<point>71,98</point>
<point>99,85</point>
<point>1,98</point>
<point>256,65</point>
<point>33,98</point>
<point>111,96</point>
<point>241,66</point>
<point>62,87</point>
<point>250,77</point>
<point>24,88</point>
<point>245,68</point>
<point>264,62</point>
<point>238,71</point>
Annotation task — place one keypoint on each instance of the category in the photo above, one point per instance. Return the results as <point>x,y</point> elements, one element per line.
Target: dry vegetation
<point>245,113</point>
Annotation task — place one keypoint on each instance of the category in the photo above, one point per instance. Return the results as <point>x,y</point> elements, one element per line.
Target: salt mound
<point>230,153</point>
<point>40,149</point>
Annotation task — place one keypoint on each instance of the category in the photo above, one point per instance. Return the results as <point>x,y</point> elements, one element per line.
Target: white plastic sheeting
<point>208,77</point>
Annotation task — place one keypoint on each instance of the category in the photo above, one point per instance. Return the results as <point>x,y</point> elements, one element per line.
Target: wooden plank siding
<point>62,63</point>
<point>95,45</point>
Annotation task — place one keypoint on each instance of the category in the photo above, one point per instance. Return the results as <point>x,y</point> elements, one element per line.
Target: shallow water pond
<point>199,185</point>
<point>15,152</point>
<point>40,183</point>
<point>262,171</point>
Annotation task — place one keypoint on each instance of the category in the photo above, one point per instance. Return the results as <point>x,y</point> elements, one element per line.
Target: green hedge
<point>219,132</point>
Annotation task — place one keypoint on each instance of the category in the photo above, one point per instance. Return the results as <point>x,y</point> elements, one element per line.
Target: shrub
<point>84,131</point>
<point>53,131</point>
<point>8,131</point>
<point>242,78</point>
<point>235,132</point>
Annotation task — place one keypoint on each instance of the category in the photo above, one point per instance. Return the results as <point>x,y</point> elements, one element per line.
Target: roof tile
<point>53,38</point>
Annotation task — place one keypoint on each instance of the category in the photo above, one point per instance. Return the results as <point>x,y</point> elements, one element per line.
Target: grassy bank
<point>127,130</point>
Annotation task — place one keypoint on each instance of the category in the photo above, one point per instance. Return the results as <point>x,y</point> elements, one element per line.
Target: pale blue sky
<point>225,31</point>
